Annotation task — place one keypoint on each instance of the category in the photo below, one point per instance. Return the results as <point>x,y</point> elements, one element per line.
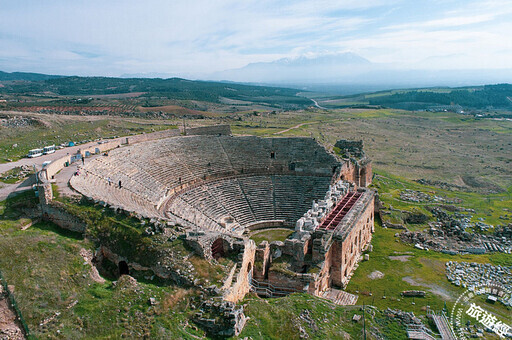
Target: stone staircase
<point>340,297</point>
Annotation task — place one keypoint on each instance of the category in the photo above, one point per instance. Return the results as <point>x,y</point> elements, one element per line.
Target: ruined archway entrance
<point>362,177</point>
<point>123,268</point>
<point>218,248</point>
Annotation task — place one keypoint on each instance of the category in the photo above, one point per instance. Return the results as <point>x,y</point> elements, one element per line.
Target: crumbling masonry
<point>219,188</point>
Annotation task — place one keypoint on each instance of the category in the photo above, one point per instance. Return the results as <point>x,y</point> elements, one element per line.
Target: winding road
<point>316,104</point>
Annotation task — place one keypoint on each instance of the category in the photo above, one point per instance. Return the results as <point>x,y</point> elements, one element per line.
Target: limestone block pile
<point>321,208</point>
<point>471,274</point>
<point>221,318</point>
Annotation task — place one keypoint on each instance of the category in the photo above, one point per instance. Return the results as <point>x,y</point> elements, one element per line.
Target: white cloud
<point>201,36</point>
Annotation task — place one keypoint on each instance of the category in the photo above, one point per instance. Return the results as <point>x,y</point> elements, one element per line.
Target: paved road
<point>7,189</point>
<point>38,161</point>
<point>316,104</point>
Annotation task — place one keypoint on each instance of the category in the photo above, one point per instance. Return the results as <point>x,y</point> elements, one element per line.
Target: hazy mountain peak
<point>301,68</point>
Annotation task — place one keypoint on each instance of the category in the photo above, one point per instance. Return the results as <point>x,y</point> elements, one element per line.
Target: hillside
<point>146,89</point>
<point>487,97</point>
<point>5,76</point>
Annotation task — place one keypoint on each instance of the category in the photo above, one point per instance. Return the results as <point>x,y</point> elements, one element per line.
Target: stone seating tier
<point>217,178</point>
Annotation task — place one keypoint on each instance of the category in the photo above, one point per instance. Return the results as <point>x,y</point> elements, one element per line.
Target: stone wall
<point>201,241</point>
<point>350,147</point>
<point>56,213</point>
<point>221,318</point>
<point>44,189</point>
<point>358,172</point>
<point>353,244</point>
<point>209,130</point>
<point>242,285</point>
<point>151,136</point>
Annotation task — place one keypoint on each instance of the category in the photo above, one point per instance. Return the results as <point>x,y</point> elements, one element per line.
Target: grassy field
<point>488,207</point>
<point>437,146</point>
<point>283,318</point>
<point>407,268</point>
<point>275,234</point>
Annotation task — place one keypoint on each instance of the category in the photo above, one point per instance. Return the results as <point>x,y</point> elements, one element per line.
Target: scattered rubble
<point>471,274</point>
<point>442,185</point>
<point>375,275</point>
<point>422,197</point>
<point>450,235</point>
<point>16,121</point>
<point>222,318</point>
<point>17,173</point>
<point>306,316</point>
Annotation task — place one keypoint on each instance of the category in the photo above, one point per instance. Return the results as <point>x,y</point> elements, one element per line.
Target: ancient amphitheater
<point>220,188</point>
<point>220,183</point>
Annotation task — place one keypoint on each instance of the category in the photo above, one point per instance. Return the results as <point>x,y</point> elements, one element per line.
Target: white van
<point>35,153</point>
<point>49,149</point>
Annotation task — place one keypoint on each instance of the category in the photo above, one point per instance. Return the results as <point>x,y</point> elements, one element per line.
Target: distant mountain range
<point>342,74</point>
<point>300,69</point>
<point>337,71</point>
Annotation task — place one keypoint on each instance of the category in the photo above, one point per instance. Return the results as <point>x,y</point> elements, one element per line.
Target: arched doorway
<point>362,177</point>
<point>218,248</point>
<point>123,268</point>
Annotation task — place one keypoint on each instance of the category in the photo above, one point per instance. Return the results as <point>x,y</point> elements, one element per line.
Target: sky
<point>194,38</point>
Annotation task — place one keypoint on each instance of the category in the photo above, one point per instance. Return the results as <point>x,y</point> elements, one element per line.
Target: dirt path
<point>9,328</point>
<point>294,127</point>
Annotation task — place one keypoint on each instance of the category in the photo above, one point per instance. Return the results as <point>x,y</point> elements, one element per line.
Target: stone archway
<point>218,248</point>
<point>123,268</point>
<point>362,177</point>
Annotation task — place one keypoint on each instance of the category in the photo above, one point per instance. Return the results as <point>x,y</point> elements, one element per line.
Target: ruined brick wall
<point>353,147</point>
<point>365,173</point>
<point>348,172</point>
<point>56,213</point>
<point>296,282</point>
<point>242,284</point>
<point>354,244</point>
<point>322,280</point>
<point>44,188</point>
<point>209,130</point>
<point>358,172</point>
<point>202,242</point>
<point>261,260</point>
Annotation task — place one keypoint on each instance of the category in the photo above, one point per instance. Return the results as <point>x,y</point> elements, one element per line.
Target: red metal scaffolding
<point>342,208</point>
